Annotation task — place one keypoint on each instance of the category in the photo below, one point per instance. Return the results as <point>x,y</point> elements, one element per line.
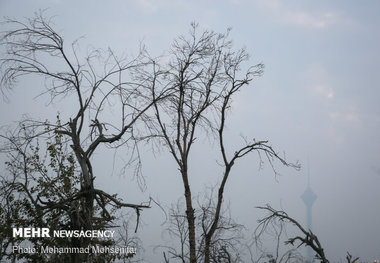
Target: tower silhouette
<point>309,198</point>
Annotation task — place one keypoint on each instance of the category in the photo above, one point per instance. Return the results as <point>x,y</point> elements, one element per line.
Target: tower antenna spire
<point>308,172</point>
<point>309,198</point>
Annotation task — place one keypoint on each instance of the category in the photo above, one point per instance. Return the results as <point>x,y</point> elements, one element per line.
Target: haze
<point>318,102</point>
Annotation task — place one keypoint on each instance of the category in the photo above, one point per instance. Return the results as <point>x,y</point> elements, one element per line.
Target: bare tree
<point>93,85</point>
<point>129,239</point>
<point>267,245</point>
<point>190,94</point>
<point>225,244</point>
<point>350,259</point>
<point>307,237</point>
<point>178,232</point>
<point>204,75</point>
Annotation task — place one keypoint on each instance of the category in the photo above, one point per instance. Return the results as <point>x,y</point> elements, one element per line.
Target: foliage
<point>51,176</point>
<point>41,190</point>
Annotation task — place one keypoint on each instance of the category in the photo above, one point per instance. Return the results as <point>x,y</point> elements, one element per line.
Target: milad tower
<point>309,198</point>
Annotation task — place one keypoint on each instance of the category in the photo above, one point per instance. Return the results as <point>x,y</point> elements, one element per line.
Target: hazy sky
<point>318,100</point>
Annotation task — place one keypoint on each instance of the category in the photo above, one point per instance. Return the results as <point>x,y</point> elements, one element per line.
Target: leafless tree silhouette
<point>307,237</point>
<point>100,86</point>
<point>274,233</point>
<point>225,245</point>
<point>171,103</point>
<point>204,74</point>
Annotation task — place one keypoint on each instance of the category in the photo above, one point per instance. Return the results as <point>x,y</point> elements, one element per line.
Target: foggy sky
<point>318,102</point>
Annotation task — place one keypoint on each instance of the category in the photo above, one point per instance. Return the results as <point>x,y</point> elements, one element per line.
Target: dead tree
<point>204,75</point>
<point>226,244</point>
<point>350,259</point>
<point>92,84</point>
<point>307,237</point>
<point>276,253</point>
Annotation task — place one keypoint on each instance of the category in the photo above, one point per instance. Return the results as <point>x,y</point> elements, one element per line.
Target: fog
<point>317,102</point>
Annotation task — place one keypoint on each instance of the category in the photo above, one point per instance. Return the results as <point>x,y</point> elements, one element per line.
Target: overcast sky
<point>318,100</point>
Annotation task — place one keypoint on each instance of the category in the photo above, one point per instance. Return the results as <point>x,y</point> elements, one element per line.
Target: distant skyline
<point>318,99</point>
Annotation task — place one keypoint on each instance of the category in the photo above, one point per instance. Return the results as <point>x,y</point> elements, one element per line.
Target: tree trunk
<point>214,225</point>
<point>207,249</point>
<point>189,215</point>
